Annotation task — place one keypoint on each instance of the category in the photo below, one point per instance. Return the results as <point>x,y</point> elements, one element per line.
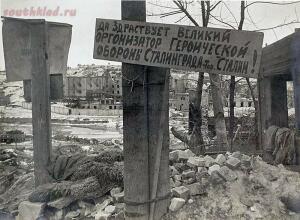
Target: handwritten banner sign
<point>212,50</point>
<point>17,47</point>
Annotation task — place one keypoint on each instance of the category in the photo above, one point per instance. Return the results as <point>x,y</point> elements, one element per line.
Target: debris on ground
<point>234,186</point>
<point>224,186</point>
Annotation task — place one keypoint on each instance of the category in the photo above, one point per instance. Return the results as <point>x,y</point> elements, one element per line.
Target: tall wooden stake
<point>295,69</point>
<point>296,83</point>
<point>40,94</point>
<point>159,141</point>
<point>143,95</point>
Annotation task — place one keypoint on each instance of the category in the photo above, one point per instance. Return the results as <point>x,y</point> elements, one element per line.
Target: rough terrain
<point>229,186</point>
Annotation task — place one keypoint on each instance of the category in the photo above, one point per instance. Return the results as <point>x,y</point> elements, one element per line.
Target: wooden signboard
<point>34,49</point>
<point>17,42</point>
<point>279,57</point>
<point>213,50</point>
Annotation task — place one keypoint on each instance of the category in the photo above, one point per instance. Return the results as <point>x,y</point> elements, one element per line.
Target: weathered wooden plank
<point>158,99</point>
<point>272,104</point>
<point>260,113</point>
<point>16,42</point>
<point>278,58</point>
<point>144,89</point>
<point>135,127</point>
<point>296,83</point>
<point>213,50</point>
<point>279,108</point>
<point>56,87</point>
<point>41,113</point>
<point>295,69</point>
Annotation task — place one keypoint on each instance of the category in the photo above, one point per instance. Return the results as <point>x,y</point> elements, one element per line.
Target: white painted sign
<point>17,47</point>
<point>213,50</point>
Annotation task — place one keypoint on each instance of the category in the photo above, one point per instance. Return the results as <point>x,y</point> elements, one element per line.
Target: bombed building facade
<point>94,92</point>
<point>84,90</point>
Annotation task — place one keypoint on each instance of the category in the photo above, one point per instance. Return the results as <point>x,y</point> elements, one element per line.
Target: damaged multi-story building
<point>94,92</point>
<point>85,87</point>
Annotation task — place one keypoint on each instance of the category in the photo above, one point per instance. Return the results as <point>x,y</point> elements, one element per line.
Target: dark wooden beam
<point>273,109</point>
<point>41,113</point>
<point>145,101</point>
<point>278,58</point>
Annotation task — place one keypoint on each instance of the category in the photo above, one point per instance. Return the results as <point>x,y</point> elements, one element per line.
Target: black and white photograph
<point>149,110</point>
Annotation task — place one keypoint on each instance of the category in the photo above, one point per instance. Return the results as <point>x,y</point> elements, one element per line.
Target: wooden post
<point>143,107</point>
<point>158,99</point>
<point>40,94</point>
<point>295,69</point>
<point>296,85</point>
<point>279,108</point>
<point>260,113</point>
<point>273,103</point>
<point>136,166</point>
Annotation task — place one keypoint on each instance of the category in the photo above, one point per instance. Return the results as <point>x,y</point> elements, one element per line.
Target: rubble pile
<point>224,186</point>
<point>76,176</point>
<point>231,186</point>
<point>7,158</point>
<point>16,178</point>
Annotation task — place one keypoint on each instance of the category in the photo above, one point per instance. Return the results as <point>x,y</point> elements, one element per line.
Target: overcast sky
<point>81,51</point>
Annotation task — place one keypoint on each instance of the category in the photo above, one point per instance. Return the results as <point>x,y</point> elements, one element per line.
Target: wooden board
<point>213,50</point>
<point>278,58</point>
<point>56,88</point>
<point>17,41</point>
